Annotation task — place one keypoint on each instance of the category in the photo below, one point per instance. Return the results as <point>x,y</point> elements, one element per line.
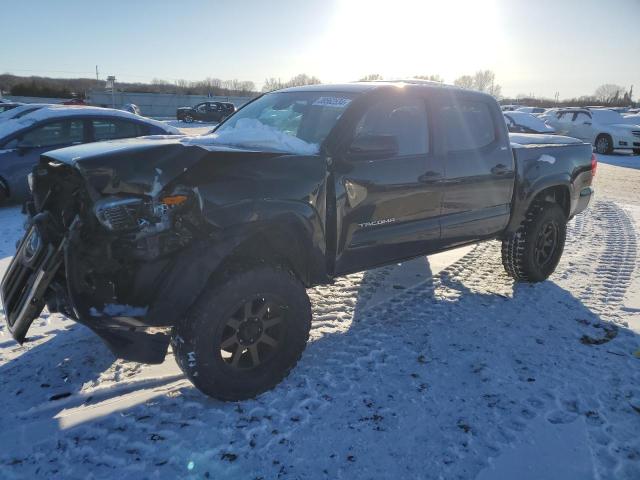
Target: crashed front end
<point>126,263</point>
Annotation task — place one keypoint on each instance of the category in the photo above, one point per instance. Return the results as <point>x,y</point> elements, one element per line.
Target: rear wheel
<point>532,253</point>
<point>188,118</point>
<point>244,334</point>
<point>604,144</point>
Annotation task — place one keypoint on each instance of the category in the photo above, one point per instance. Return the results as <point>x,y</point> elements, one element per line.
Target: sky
<point>534,47</point>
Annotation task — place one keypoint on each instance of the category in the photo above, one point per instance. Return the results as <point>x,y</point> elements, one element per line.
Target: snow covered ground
<point>437,368</point>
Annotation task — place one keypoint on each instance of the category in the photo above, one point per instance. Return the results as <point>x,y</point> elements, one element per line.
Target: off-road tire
<point>518,249</point>
<point>197,339</point>
<point>604,144</point>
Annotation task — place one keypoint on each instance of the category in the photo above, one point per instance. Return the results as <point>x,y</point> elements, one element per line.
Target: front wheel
<point>188,118</point>
<point>244,334</point>
<point>532,253</point>
<point>604,144</point>
<point>636,151</point>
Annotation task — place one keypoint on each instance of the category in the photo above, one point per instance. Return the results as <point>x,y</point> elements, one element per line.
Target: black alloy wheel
<point>254,333</point>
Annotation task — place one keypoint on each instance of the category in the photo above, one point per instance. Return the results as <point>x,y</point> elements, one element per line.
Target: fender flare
<point>524,197</point>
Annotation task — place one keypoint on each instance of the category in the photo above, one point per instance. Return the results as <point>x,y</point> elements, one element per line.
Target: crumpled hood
<point>142,166</point>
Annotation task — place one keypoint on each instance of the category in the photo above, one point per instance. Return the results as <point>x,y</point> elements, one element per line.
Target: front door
<point>27,147</point>
<point>479,168</point>
<point>387,184</point>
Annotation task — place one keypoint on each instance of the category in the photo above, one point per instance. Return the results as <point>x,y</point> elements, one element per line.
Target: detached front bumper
<point>23,287</point>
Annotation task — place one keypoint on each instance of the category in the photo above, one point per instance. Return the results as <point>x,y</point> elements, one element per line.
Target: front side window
<point>404,119</point>
<point>468,125</point>
<point>111,129</point>
<point>296,122</point>
<point>55,133</point>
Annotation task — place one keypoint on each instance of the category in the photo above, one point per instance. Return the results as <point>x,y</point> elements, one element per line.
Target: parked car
<point>5,106</point>
<point>531,110</point>
<point>24,139</point>
<point>74,101</point>
<point>206,112</point>
<point>131,108</point>
<point>521,122</point>
<point>211,241</point>
<point>601,127</point>
<point>22,110</point>
<point>509,108</point>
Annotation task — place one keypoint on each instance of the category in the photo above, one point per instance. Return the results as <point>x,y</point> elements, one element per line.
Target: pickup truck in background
<point>209,242</point>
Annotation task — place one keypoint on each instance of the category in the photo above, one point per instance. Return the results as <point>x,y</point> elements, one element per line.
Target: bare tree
<point>609,93</point>
<point>432,78</point>
<point>465,81</point>
<point>271,84</point>
<point>371,77</point>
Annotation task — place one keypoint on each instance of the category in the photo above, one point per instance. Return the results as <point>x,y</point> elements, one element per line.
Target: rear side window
<point>468,125</point>
<point>51,134</point>
<point>582,117</point>
<point>405,119</point>
<point>111,129</point>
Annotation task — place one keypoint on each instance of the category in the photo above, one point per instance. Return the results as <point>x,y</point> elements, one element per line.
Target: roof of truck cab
<point>360,87</point>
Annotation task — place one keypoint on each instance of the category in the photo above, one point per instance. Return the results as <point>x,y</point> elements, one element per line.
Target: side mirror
<point>373,146</point>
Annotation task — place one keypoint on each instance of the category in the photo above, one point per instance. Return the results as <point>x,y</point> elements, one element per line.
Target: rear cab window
<point>468,124</point>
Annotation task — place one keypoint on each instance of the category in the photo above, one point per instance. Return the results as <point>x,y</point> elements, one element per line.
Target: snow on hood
<point>61,111</point>
<point>529,121</point>
<point>251,133</point>
<point>523,139</point>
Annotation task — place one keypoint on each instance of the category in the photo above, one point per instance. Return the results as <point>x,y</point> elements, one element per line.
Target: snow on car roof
<point>62,111</point>
<point>527,120</point>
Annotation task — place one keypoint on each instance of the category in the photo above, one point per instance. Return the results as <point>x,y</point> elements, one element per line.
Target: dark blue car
<point>23,140</point>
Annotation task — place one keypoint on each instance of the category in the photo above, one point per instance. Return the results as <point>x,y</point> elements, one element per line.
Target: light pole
<point>111,83</point>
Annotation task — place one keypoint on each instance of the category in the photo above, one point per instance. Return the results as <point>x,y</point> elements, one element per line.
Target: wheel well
<point>281,247</point>
<point>558,194</point>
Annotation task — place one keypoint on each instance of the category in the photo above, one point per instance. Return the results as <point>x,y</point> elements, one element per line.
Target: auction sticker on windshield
<point>337,102</point>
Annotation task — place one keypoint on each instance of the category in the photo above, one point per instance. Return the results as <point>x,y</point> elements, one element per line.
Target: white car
<point>520,122</point>
<point>532,110</point>
<point>604,128</point>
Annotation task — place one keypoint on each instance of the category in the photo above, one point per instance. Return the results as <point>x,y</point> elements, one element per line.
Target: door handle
<point>499,169</point>
<point>429,176</point>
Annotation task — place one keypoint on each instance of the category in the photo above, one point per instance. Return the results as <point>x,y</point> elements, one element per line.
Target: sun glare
<point>409,37</point>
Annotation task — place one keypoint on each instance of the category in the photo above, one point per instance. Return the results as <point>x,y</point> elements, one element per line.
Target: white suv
<point>603,128</point>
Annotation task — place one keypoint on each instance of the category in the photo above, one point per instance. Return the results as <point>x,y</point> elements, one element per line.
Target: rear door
<point>478,165</point>
<point>582,126</point>
<point>388,205</point>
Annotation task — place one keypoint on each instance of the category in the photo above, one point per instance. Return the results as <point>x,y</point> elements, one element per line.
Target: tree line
<point>482,80</point>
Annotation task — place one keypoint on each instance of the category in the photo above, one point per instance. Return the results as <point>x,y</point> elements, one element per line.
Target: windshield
<point>606,116</point>
<point>296,122</point>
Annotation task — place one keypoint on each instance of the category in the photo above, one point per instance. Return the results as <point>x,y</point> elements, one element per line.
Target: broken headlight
<point>119,214</point>
<point>133,213</point>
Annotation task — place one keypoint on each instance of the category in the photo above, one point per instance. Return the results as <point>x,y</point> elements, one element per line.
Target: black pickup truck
<point>209,242</point>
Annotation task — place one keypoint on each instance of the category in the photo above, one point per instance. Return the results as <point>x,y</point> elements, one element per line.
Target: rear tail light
<point>594,164</point>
